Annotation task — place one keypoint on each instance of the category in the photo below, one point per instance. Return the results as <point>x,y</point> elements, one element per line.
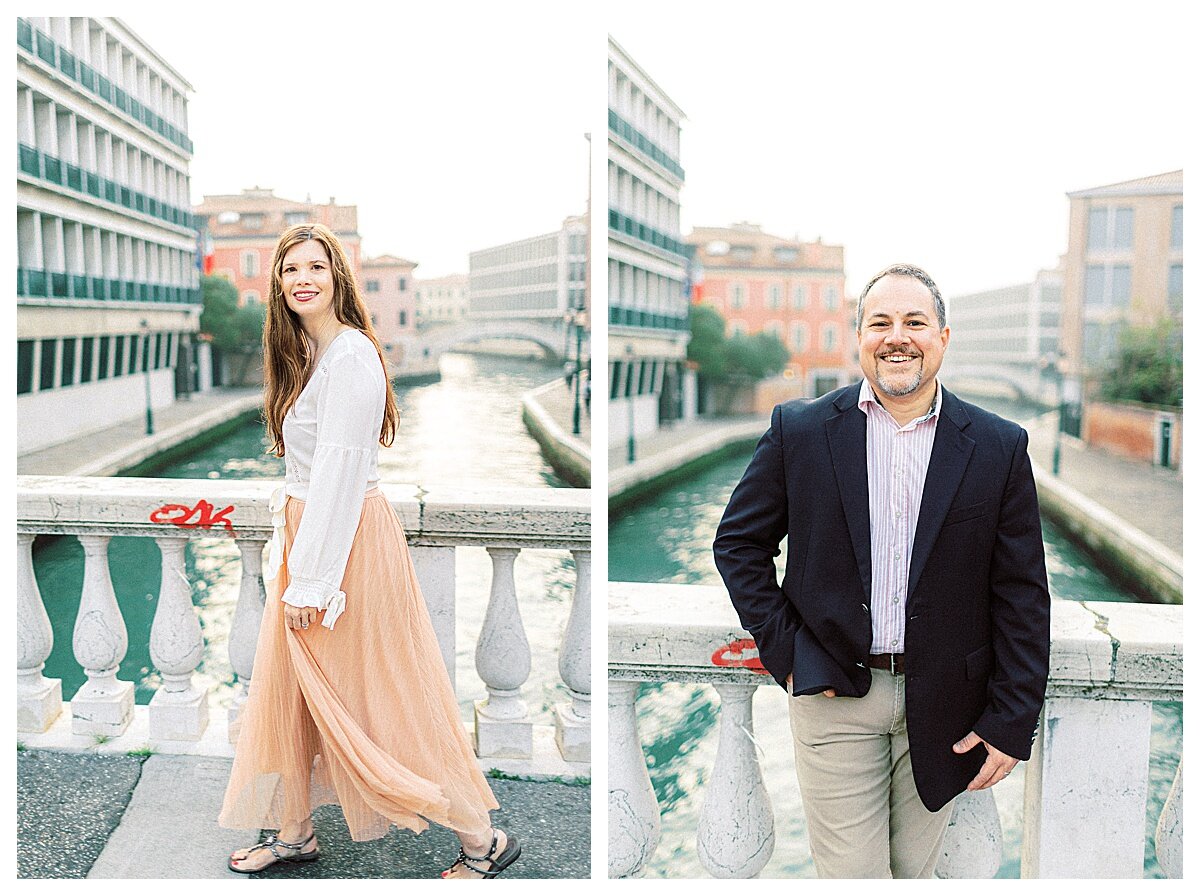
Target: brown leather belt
<point>889,662</point>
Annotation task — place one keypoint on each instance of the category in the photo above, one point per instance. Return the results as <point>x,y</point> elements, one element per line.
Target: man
<point>913,624</point>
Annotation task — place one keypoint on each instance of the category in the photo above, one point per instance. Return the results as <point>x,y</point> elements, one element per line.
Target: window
<point>24,366</point>
<point>372,286</point>
<point>774,328</point>
<point>800,296</point>
<point>102,361</point>
<point>1175,287</point>
<point>68,363</point>
<point>404,283</point>
<point>144,345</point>
<point>158,351</point>
<point>374,320</point>
<point>1107,286</point>
<point>829,338</point>
<point>786,254</point>
<point>774,296</point>
<point>290,218</point>
<point>1177,227</point>
<point>118,355</point>
<point>737,328</point>
<point>799,337</point>
<point>403,317</point>
<point>1109,228</point>
<point>85,360</point>
<point>742,253</point>
<point>49,362</point>
<point>255,222</point>
<point>737,296</point>
<point>831,298</point>
<point>250,297</point>
<point>249,262</point>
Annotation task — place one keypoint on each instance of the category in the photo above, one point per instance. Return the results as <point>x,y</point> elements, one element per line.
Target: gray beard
<point>904,389</point>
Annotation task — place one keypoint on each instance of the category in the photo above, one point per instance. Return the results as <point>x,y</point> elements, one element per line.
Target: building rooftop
<point>341,219</point>
<point>744,245</point>
<point>1154,185</point>
<point>388,261</point>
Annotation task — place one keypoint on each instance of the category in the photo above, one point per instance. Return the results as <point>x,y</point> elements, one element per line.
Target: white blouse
<point>331,436</point>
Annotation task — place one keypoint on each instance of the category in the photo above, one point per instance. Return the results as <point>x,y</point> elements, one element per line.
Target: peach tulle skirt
<point>362,716</point>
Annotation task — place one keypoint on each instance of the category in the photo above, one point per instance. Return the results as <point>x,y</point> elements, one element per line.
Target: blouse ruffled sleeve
<point>349,413</point>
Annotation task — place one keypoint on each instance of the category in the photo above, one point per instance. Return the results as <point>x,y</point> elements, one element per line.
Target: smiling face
<point>307,279</point>
<point>900,346</point>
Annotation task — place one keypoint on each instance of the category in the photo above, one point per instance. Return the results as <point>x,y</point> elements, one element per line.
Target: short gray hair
<point>904,270</point>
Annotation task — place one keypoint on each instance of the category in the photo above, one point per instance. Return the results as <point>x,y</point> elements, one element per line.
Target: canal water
<point>668,538</point>
<point>464,430</point>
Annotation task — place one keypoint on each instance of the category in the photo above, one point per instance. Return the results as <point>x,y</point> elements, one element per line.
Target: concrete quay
<point>127,816</point>
<point>548,412</point>
<point>125,445</point>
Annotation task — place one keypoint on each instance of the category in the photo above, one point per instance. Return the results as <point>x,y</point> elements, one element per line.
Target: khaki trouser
<point>852,761</point>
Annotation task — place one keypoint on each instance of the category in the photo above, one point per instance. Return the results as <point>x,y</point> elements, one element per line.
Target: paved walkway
<point>1146,497</point>
<point>560,405</point>
<point>114,816</point>
<point>124,444</point>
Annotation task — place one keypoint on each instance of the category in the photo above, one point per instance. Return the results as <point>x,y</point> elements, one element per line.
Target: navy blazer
<point>977,616</point>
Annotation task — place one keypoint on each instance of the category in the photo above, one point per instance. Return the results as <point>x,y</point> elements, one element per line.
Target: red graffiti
<point>742,653</point>
<point>199,517</point>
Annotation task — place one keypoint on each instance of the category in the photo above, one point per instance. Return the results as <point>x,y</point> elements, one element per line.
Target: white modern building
<point>1008,336</point>
<point>441,300</point>
<point>538,278</point>
<point>108,294</point>
<point>648,332</point>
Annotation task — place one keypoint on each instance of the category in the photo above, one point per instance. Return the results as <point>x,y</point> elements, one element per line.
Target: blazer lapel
<point>948,461</point>
<point>847,435</point>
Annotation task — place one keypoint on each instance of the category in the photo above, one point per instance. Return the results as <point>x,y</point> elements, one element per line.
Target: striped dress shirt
<point>897,461</point>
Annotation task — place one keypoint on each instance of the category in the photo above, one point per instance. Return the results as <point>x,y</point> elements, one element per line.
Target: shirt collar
<point>866,396</point>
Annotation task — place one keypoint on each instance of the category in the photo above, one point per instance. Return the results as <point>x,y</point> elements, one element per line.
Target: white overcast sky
<point>945,134</point>
<point>452,126</point>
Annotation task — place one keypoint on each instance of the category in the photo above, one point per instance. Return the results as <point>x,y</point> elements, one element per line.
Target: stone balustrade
<point>1085,784</point>
<point>173,510</point>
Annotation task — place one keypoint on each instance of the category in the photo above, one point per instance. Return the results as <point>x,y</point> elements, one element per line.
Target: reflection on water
<point>668,538</point>
<point>464,430</point>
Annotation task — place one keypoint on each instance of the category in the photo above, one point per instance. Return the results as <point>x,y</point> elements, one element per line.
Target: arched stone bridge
<point>421,351</point>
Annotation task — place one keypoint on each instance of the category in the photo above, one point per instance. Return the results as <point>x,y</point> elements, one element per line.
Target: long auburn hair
<point>288,356</point>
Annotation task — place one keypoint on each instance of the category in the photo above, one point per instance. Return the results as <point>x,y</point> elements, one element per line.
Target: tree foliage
<point>233,329</point>
<point>1149,366</point>
<point>735,358</point>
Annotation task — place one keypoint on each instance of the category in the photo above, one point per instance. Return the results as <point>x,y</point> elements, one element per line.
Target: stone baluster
<point>247,619</point>
<point>103,705</point>
<point>573,721</point>
<point>1168,835</point>
<point>179,709</point>
<point>503,727</point>
<point>736,833</point>
<point>1085,809</point>
<point>435,570</point>
<point>634,826</point>
<point>39,699</point>
<point>974,844</point>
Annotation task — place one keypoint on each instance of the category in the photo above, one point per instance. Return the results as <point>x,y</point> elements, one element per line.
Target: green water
<point>668,538</point>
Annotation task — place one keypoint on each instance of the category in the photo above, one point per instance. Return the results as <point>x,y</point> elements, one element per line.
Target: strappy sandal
<point>273,843</point>
<point>496,863</point>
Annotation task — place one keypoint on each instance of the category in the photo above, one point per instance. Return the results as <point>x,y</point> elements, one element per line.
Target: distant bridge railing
<point>94,509</point>
<point>1086,783</point>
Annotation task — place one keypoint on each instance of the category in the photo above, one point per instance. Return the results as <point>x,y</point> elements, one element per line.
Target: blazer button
<point>860,665</point>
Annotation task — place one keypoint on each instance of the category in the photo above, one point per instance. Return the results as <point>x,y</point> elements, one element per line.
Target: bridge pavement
<point>114,816</point>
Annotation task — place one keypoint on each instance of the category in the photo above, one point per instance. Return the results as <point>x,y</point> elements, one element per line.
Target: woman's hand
<point>299,617</point>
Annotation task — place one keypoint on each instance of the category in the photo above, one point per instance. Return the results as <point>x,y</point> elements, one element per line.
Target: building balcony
<point>1086,782</point>
<point>42,46</point>
<point>623,223</point>
<point>35,163</point>
<point>177,718</point>
<point>631,317</point>
<point>34,283</point>
<point>644,144</point>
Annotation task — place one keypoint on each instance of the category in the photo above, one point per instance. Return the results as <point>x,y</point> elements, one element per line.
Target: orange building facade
<point>795,290</point>
<point>391,297</point>
<point>244,227</point>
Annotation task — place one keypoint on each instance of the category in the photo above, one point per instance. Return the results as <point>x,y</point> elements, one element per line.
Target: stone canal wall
<point>570,455</point>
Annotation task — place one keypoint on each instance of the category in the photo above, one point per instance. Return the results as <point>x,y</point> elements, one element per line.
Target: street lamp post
<point>579,320</point>
<point>629,395</point>
<point>146,369</point>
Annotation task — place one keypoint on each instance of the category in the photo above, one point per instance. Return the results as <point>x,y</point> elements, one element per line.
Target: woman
<point>363,716</point>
